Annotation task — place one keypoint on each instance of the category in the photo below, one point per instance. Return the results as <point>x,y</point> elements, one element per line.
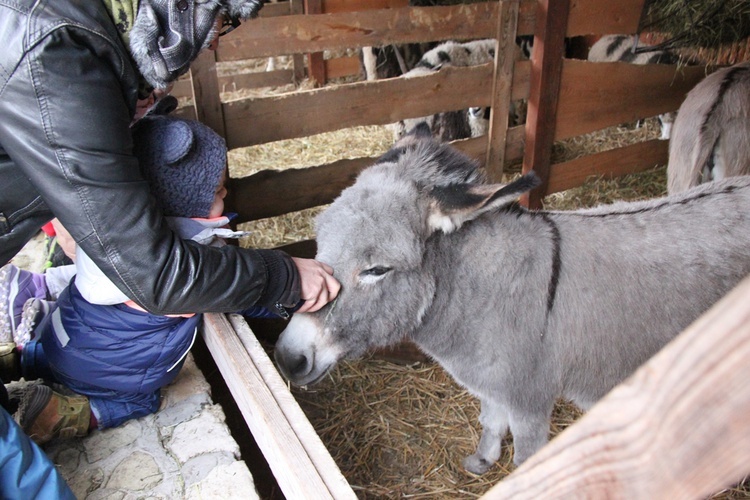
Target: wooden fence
<point>567,98</point>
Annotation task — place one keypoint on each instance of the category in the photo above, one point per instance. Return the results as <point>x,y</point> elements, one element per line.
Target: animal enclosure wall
<point>567,97</point>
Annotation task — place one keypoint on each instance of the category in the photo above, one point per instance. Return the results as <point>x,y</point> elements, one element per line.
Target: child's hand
<point>319,287</point>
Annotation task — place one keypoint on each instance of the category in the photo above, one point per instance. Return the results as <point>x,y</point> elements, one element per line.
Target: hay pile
<point>401,431</point>
<point>707,23</point>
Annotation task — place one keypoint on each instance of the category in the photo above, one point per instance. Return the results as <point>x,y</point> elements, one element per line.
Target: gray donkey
<point>711,136</point>
<point>520,307</point>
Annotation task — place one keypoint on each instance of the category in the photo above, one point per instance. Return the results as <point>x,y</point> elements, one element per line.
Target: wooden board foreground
<point>300,462</point>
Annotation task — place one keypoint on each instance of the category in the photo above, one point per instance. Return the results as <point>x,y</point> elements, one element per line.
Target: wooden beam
<point>316,68</point>
<point>678,428</point>
<point>374,28</point>
<point>206,97</point>
<point>608,164</point>
<point>544,84</point>
<point>269,193</point>
<point>297,8</point>
<point>287,116</point>
<point>301,464</point>
<point>598,17</point>
<point>333,6</point>
<point>594,96</point>
<point>505,59</point>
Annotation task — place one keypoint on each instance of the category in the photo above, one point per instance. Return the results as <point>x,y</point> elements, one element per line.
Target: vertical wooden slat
<point>546,68</point>
<point>206,97</point>
<point>298,60</point>
<point>316,68</point>
<point>505,58</point>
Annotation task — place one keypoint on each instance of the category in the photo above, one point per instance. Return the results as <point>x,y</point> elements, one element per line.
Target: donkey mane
<point>429,163</point>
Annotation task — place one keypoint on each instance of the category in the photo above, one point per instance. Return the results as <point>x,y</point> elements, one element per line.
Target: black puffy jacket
<point>68,90</point>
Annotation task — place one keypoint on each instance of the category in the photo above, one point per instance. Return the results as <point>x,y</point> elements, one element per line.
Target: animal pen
<point>679,426</point>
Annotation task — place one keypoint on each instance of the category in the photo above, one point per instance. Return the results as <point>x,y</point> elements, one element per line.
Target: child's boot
<point>46,415</point>
<point>16,287</point>
<point>34,310</point>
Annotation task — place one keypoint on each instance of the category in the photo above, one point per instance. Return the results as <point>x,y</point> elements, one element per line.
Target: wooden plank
<point>316,69</point>
<point>678,428</point>
<point>336,6</point>
<point>515,142</point>
<point>300,462</point>
<point>609,164</point>
<point>275,9</point>
<point>546,68</point>
<point>598,17</point>
<point>377,102</point>
<point>298,59</point>
<point>342,66</point>
<point>182,88</point>
<point>206,97</point>
<point>375,28</point>
<point>505,58</point>
<point>254,80</point>
<point>597,95</point>
<point>269,193</point>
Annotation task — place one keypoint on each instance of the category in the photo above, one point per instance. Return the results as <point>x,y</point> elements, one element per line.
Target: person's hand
<point>318,285</point>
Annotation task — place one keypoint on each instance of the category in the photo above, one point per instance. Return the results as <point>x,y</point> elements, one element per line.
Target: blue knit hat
<point>182,160</point>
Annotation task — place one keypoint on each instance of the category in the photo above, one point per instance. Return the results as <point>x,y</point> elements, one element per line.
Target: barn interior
<point>309,94</point>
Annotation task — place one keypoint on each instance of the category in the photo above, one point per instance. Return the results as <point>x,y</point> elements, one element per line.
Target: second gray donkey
<point>520,307</point>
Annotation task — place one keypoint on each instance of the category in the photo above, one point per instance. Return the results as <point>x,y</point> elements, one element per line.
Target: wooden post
<point>206,92</point>
<point>297,7</point>
<point>678,428</point>
<point>316,68</point>
<point>544,86</point>
<point>505,59</point>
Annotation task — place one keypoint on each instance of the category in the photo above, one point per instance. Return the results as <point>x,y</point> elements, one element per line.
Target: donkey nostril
<point>298,365</point>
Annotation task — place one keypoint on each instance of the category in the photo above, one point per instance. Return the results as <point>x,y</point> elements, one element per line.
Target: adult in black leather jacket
<point>69,83</point>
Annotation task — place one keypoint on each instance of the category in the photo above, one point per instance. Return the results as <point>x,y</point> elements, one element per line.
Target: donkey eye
<point>374,271</point>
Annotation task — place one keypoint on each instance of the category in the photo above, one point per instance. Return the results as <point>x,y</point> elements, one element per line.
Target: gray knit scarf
<point>167,35</point>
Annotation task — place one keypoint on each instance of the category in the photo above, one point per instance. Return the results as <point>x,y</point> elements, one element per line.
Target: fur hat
<point>167,35</point>
<point>182,160</point>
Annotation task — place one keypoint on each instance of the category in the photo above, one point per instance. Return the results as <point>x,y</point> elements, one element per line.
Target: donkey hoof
<point>476,464</point>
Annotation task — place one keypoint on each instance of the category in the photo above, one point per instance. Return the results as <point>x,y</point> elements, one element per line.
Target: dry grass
<point>401,431</point>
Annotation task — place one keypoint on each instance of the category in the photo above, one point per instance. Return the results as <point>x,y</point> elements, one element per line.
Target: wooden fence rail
<point>587,97</point>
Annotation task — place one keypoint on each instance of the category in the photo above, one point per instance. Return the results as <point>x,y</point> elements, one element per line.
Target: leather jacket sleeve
<point>65,112</point>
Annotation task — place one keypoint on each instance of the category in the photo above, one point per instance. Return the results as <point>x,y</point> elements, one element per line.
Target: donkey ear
<point>451,206</point>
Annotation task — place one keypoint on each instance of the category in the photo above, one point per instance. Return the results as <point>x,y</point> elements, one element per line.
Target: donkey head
<point>381,238</point>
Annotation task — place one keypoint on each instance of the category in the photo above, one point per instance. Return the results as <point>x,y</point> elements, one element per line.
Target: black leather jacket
<point>68,90</point>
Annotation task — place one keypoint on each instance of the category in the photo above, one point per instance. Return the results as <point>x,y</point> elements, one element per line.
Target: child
<point>113,355</point>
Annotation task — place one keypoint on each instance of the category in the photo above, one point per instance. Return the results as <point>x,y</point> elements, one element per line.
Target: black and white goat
<point>451,125</point>
<point>623,48</point>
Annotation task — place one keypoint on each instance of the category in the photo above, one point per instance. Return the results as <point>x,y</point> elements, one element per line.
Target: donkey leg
<point>494,420</point>
<point>530,431</point>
